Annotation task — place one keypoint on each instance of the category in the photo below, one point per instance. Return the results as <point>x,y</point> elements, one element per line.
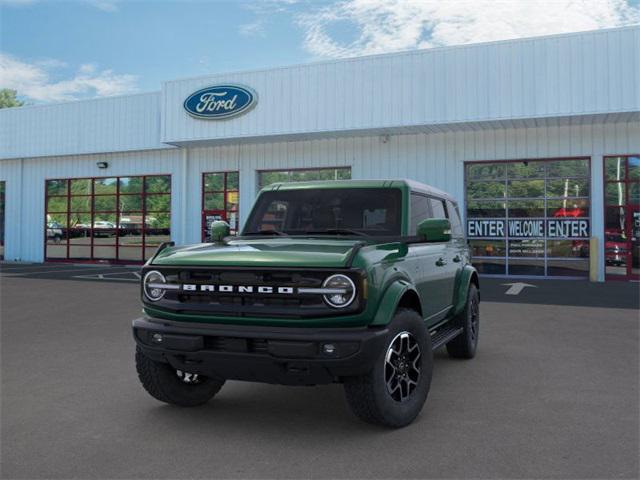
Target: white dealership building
<point>537,138</point>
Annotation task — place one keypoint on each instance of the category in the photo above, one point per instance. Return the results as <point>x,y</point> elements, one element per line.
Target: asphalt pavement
<point>552,393</point>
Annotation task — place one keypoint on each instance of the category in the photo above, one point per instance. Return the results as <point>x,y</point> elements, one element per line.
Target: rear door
<point>446,265</point>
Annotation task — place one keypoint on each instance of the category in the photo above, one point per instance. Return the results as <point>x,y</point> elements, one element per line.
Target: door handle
<point>441,262</point>
<point>457,259</point>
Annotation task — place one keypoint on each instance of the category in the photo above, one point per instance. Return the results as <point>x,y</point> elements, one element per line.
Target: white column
<point>597,211</point>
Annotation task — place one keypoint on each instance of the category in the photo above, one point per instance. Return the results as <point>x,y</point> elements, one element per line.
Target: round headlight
<point>343,291</point>
<point>152,285</point>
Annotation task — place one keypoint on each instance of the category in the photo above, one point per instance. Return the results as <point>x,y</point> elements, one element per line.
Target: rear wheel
<point>466,344</point>
<point>176,387</point>
<point>393,392</point>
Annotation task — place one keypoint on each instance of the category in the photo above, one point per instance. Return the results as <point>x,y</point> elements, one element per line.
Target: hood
<point>272,252</point>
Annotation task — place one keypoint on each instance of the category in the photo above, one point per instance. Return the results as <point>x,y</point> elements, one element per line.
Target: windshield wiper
<point>266,232</point>
<point>337,231</point>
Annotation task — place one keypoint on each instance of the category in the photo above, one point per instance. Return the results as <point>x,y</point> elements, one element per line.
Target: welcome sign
<point>220,102</point>
<point>528,228</point>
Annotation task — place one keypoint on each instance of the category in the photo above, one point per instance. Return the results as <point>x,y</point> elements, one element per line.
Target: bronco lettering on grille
<point>191,287</point>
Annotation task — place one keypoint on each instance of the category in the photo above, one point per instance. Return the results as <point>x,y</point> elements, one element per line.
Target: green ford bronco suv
<point>355,282</point>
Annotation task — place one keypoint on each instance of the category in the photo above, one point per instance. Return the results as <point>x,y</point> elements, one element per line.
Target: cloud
<point>252,29</point>
<point>34,80</point>
<point>379,26</point>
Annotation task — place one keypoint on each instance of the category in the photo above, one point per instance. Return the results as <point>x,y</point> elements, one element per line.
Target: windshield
<point>335,211</point>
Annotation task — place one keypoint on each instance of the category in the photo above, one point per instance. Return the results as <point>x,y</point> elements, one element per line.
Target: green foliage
<point>8,98</point>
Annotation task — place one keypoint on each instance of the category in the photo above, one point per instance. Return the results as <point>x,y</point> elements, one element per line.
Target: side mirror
<point>219,230</point>
<point>434,230</point>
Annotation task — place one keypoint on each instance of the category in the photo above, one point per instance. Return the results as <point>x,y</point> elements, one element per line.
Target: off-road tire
<point>368,395</point>
<point>466,344</point>
<point>163,383</point>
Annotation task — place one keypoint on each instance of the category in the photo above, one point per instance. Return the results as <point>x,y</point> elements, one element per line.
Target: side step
<point>444,335</point>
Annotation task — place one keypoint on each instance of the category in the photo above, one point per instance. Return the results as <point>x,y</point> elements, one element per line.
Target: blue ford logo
<point>220,101</point>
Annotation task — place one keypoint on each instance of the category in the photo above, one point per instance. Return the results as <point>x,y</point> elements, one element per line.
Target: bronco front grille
<point>254,303</point>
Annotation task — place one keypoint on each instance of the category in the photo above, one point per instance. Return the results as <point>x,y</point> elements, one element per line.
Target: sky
<point>54,50</point>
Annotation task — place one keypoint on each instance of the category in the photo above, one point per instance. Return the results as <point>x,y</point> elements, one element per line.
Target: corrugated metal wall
<point>436,159</point>
<point>112,124</point>
<point>556,76</point>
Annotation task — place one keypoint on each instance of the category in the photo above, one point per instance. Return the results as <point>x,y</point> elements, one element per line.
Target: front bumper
<point>282,355</point>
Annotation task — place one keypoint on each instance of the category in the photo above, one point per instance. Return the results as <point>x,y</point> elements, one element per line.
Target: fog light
<point>329,348</point>
<point>157,338</point>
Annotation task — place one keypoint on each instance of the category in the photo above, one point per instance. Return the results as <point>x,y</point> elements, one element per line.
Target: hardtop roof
<point>395,183</point>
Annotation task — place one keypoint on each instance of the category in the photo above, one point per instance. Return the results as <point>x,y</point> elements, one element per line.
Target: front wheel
<point>393,392</point>
<point>466,344</point>
<point>172,386</point>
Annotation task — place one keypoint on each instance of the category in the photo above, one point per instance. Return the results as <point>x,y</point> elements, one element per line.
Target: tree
<point>8,98</point>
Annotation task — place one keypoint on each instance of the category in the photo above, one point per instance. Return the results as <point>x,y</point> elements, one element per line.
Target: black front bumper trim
<point>282,355</point>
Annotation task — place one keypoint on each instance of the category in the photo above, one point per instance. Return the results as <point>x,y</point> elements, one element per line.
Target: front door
<point>622,217</point>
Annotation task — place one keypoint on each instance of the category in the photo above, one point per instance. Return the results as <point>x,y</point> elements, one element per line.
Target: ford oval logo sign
<point>220,101</point>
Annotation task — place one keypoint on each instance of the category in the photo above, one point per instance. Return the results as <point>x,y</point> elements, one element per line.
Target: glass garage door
<point>116,219</point>
<point>529,218</point>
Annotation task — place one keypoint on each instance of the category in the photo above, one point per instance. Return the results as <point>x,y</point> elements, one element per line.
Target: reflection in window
<point>302,175</point>
<point>522,194</point>
<point>105,218</point>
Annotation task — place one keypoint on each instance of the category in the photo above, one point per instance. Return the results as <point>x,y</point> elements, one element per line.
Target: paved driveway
<point>553,393</point>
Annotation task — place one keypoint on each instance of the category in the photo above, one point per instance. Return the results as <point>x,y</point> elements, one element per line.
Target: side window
<point>437,207</point>
<point>419,211</point>
<point>454,217</point>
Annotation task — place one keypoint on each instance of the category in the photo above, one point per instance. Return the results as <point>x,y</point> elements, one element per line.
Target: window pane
<point>488,248</point>
<point>105,186</point>
<point>80,228</point>
<point>104,252</point>
<point>213,182</point>
<point>214,201</point>
<point>525,267</point>
<point>233,181</point>
<point>158,203</point>
<point>344,173</point>
<point>81,187</point>
<point>133,254</point>
<point>615,193</point>
<point>563,268</point>
<point>486,171</point>
<point>614,168</point>
<point>485,209</point>
<point>526,248</point>
<point>130,203</point>
<point>56,187</point>
<point>79,252</point>
<point>454,218</point>
<point>104,203</point>
<point>634,168</point>
<point>568,188</point>
<point>130,229</point>
<point>57,204</point>
<point>489,266</point>
<point>576,207</point>
<point>267,178</point>
<point>525,208</point>
<point>57,220</point>
<point>130,185</point>
<point>614,218</point>
<point>485,189</point>
<point>419,211</point>
<point>634,193</point>
<point>104,221</point>
<point>56,232</point>
<point>568,168</point>
<point>158,184</point>
<point>525,188</point>
<point>56,250</point>
<point>437,208</point>
<point>526,170</point>
<point>158,229</point>
<point>568,248</point>
<point>80,204</point>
